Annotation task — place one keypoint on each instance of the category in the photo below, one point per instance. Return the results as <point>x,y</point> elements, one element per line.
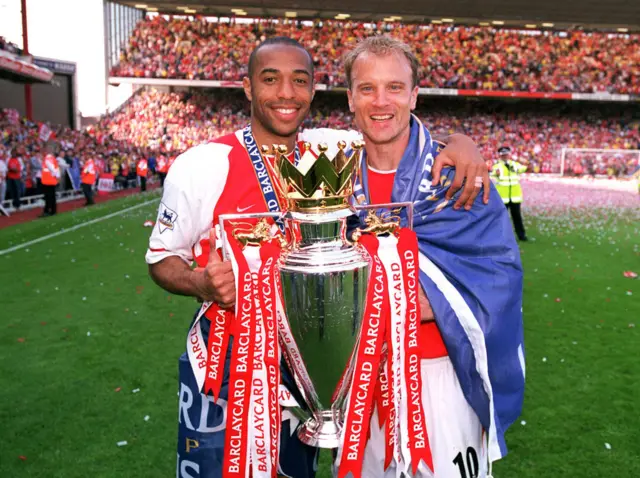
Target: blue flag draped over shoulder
<point>471,272</point>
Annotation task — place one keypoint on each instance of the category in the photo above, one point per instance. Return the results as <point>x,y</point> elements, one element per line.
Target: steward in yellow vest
<point>506,175</point>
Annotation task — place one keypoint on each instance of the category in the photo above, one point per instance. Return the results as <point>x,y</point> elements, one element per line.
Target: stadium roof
<point>588,14</point>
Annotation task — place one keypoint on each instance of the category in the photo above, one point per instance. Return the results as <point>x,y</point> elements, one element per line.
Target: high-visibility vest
<point>162,164</point>
<point>89,172</point>
<point>50,171</point>
<point>507,176</point>
<point>141,169</point>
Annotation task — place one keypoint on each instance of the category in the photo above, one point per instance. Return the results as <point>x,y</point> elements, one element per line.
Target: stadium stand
<point>176,121</point>
<point>25,140</point>
<point>451,56</point>
<point>152,123</point>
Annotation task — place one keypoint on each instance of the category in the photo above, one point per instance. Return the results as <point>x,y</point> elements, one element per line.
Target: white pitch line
<point>73,228</point>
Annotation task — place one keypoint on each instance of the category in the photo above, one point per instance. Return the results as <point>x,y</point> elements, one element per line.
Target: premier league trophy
<point>324,281</point>
<point>323,277</point>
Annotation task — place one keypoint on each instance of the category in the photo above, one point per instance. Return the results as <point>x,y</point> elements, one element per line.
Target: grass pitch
<point>83,327</point>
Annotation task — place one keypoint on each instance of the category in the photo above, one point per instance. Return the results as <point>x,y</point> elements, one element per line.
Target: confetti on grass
<point>122,443</point>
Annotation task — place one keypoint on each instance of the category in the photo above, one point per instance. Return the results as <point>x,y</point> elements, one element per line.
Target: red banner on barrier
<point>515,94</point>
<point>105,183</point>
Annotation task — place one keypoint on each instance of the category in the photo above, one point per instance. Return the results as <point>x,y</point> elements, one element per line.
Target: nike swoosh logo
<point>243,209</point>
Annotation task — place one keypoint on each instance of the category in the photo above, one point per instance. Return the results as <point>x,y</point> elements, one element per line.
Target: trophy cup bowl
<point>324,283</point>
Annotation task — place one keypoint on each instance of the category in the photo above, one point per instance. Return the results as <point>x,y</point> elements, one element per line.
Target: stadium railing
<point>37,200</point>
<point>116,80</point>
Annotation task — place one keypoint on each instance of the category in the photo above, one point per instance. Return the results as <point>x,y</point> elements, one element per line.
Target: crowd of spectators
<point>24,140</point>
<point>451,56</point>
<point>153,124</point>
<point>173,122</point>
<point>536,132</point>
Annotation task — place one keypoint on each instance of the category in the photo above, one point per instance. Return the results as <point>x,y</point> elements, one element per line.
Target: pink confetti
<point>20,339</point>
<point>148,224</point>
<point>630,274</point>
<point>23,458</point>
<point>118,389</point>
<point>558,299</point>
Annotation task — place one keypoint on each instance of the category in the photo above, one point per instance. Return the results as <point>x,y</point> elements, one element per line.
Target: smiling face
<point>280,90</point>
<point>382,95</point>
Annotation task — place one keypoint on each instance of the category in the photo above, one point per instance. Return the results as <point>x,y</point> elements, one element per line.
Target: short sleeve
<point>192,189</point>
<point>172,234</point>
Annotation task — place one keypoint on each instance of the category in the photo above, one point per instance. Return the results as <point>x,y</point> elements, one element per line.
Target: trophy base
<point>323,435</point>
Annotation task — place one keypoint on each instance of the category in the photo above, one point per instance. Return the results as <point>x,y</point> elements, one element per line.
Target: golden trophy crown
<point>326,185</point>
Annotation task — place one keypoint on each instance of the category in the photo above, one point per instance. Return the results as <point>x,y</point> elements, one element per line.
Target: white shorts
<point>455,433</point>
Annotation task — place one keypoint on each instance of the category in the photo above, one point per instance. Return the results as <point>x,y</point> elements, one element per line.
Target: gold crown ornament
<point>325,185</point>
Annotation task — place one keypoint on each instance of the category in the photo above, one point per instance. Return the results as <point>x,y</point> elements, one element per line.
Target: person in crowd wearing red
<point>162,168</point>
<point>50,179</point>
<point>14,180</point>
<point>3,176</point>
<point>142,169</point>
<point>88,178</point>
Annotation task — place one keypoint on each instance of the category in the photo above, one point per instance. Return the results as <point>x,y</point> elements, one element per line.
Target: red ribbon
<point>366,367</point>
<point>243,331</point>
<point>268,293</point>
<point>391,433</point>
<point>217,346</point>
<point>418,437</point>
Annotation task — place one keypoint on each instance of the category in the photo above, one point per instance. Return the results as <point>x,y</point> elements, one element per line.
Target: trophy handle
<point>391,206</point>
<point>379,224</point>
<point>239,217</point>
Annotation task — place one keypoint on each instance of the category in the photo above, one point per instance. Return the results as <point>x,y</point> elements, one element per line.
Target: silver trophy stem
<point>324,280</point>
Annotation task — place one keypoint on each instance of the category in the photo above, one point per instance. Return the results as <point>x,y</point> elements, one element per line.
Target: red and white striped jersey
<point>207,181</point>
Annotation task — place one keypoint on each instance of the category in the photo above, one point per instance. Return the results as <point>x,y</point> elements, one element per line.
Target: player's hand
<point>426,312</point>
<point>218,282</point>
<point>462,153</point>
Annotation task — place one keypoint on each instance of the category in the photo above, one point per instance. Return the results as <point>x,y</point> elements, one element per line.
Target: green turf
<point>26,232</point>
<point>60,411</point>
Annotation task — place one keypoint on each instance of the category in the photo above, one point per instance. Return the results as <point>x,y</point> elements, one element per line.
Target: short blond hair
<point>381,45</point>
